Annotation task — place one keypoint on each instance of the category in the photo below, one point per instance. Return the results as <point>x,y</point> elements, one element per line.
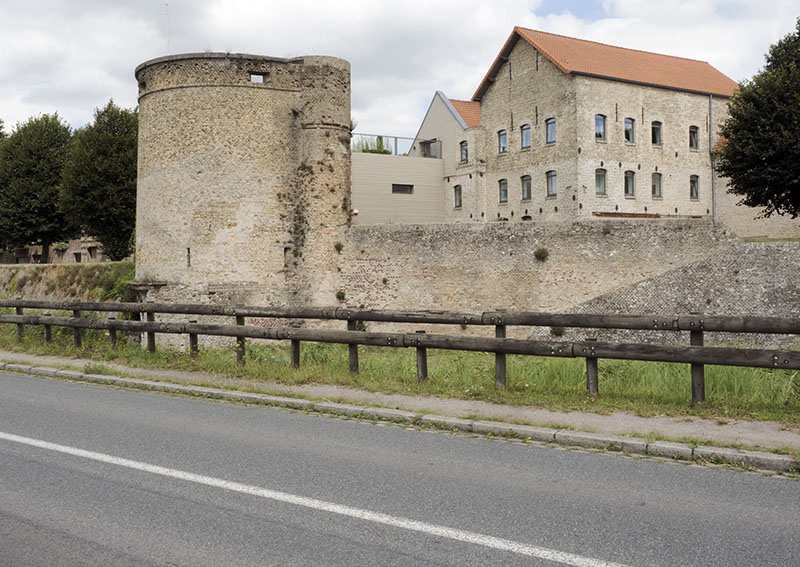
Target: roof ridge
<point>612,46</point>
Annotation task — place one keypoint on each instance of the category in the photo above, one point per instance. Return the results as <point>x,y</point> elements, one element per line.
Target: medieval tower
<point>243,176</point>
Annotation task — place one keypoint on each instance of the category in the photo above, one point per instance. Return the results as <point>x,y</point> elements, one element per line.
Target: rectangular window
<point>502,186</point>
<point>630,184</point>
<point>525,135</point>
<point>526,187</point>
<point>502,142</point>
<point>694,138</point>
<point>655,133</point>
<point>457,196</point>
<point>402,189</point>
<point>258,77</point>
<point>656,183</point>
<point>551,184</point>
<point>630,133</point>
<point>599,181</point>
<point>550,130</point>
<point>599,128</point>
<point>464,150</point>
<point>694,187</point>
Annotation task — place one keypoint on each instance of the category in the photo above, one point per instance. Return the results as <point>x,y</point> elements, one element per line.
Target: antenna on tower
<point>166,11</point>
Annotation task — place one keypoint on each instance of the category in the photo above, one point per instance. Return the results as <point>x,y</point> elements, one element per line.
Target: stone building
<point>567,129</point>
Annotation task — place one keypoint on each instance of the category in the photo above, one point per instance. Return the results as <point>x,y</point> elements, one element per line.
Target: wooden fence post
<point>352,350</point>
<point>500,357</point>
<point>112,333</point>
<point>48,331</point>
<point>422,361</point>
<point>240,342</point>
<point>20,326</point>
<point>592,386</point>
<point>193,341</point>
<point>295,351</point>
<point>698,370</point>
<point>76,332</point>
<point>151,335</point>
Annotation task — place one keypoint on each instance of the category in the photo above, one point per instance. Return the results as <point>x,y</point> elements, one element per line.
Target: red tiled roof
<point>582,57</point>
<point>469,110</point>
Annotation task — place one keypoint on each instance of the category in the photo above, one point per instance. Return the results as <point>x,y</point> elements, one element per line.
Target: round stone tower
<point>243,176</point>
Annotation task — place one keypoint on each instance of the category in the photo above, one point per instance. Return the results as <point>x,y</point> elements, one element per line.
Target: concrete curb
<point>566,437</point>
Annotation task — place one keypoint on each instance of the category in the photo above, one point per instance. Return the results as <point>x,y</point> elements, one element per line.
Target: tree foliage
<point>31,159</point>
<point>98,186</point>
<point>761,152</point>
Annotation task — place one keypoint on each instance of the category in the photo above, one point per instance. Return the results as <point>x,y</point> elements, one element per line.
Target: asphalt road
<point>91,475</point>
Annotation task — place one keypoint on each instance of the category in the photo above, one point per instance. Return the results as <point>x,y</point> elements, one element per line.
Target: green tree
<point>761,151</point>
<point>98,184</point>
<point>2,132</point>
<point>31,159</point>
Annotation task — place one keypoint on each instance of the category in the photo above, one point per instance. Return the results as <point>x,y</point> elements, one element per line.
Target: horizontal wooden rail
<point>726,324</point>
<point>762,358</point>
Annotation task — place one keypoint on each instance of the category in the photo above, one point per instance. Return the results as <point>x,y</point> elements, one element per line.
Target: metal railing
<point>380,144</point>
<point>590,349</point>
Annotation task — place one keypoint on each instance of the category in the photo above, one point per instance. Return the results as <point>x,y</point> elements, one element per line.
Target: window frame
<point>463,150</point>
<point>656,189</point>
<point>694,138</point>
<point>551,179</point>
<point>525,135</point>
<point>502,189</point>
<point>630,175</point>
<point>526,183</point>
<point>402,188</point>
<point>550,128</point>
<point>601,118</point>
<point>630,131</point>
<point>457,197</point>
<point>502,141</point>
<point>656,133</point>
<point>600,173</point>
<point>694,188</point>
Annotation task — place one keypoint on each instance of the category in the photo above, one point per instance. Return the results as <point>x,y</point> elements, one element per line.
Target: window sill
<point>553,143</point>
<point>503,203</point>
<point>523,200</point>
<point>525,149</point>
<point>505,153</point>
<point>630,196</point>
<point>631,144</point>
<point>694,199</point>
<point>603,141</point>
<point>551,197</point>
<point>659,198</point>
<point>601,195</point>
<point>658,146</point>
<point>695,150</point>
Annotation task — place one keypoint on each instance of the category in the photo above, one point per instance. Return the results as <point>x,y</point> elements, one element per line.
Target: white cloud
<point>72,56</point>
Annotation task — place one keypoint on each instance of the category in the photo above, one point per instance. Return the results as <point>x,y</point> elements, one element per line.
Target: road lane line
<point>377,517</point>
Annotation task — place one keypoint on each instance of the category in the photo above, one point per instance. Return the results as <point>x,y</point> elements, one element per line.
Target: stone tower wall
<point>244,173</point>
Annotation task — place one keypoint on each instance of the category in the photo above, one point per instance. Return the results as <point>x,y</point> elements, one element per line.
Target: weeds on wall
<point>107,281</point>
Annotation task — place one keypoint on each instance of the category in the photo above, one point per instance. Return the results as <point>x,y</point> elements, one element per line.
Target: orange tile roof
<point>469,110</point>
<point>582,57</point>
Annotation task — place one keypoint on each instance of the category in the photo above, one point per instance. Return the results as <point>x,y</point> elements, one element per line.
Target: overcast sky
<point>71,56</point>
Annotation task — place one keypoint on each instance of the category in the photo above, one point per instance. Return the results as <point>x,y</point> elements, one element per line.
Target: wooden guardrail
<point>695,354</point>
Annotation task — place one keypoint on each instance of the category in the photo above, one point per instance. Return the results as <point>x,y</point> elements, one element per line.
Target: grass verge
<point>644,388</point>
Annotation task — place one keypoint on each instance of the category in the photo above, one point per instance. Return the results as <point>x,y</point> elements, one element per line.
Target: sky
<point>72,56</point>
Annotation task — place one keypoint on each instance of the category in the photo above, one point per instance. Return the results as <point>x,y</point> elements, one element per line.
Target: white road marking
<point>413,525</point>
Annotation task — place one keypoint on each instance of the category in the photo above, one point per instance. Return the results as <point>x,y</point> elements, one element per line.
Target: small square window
<point>502,186</point>
<point>402,189</point>
<point>502,142</point>
<point>259,78</point>
<point>525,136</point>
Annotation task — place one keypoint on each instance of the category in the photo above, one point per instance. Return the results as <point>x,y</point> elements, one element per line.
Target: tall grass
<point>645,388</point>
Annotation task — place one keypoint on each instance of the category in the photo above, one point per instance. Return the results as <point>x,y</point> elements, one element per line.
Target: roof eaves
<point>452,109</point>
<point>501,58</point>
<point>656,85</point>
